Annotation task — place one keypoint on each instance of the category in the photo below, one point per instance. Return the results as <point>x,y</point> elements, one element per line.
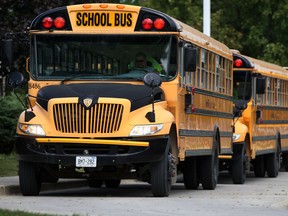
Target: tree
<point>9,111</point>
<point>257,28</point>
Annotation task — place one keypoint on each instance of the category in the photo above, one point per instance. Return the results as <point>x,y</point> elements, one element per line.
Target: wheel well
<point>278,141</point>
<point>247,142</point>
<point>174,143</point>
<point>216,137</point>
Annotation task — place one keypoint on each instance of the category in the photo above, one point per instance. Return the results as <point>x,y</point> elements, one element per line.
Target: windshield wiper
<point>76,76</point>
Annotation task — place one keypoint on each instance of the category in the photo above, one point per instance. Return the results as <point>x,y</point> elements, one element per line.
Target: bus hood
<point>139,95</point>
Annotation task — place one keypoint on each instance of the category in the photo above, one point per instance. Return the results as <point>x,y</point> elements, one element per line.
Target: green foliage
<point>258,28</point>
<point>8,165</point>
<point>10,110</point>
<point>4,212</point>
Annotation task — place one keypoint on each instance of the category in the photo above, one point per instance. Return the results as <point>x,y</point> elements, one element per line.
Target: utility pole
<point>206,16</point>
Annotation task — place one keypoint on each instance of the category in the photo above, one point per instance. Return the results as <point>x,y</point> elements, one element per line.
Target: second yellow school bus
<point>261,126</point>
<point>91,116</point>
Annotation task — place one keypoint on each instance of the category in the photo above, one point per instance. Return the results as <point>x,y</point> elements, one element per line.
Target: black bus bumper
<point>65,154</point>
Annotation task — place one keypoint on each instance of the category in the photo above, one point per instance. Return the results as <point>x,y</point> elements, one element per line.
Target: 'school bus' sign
<point>104,19</point>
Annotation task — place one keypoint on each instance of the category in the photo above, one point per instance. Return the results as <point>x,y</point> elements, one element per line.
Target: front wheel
<point>161,177</point>
<point>29,178</point>
<point>239,167</point>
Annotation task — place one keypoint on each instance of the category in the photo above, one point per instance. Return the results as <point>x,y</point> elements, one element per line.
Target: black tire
<point>190,176</point>
<point>160,177</point>
<point>259,166</point>
<point>95,183</point>
<point>272,164</point>
<point>29,178</point>
<point>210,170</point>
<point>239,167</point>
<point>112,183</point>
<point>285,161</point>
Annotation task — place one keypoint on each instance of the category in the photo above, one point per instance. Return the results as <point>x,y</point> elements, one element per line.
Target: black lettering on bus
<point>97,19</point>
<point>116,19</point>
<point>84,19</point>
<point>129,19</point>
<point>78,16</point>
<point>91,19</point>
<point>123,20</point>
<point>108,20</point>
<point>103,19</point>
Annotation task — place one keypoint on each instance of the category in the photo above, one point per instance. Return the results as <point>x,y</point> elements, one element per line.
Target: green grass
<point>20,213</point>
<point>8,165</point>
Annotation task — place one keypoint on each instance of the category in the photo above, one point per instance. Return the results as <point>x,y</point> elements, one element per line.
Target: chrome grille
<point>100,118</point>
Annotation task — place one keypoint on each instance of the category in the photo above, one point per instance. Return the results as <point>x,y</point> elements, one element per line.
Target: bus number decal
<point>104,19</point>
<point>34,86</point>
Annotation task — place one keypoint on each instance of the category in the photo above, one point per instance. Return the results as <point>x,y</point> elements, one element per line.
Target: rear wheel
<point>285,161</point>
<point>29,178</point>
<point>259,166</point>
<point>210,169</point>
<point>160,174</point>
<point>272,163</point>
<point>190,176</point>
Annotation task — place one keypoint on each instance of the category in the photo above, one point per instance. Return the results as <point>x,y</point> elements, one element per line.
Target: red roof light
<point>47,22</point>
<point>147,24</point>
<point>238,63</point>
<point>59,22</point>
<point>159,24</point>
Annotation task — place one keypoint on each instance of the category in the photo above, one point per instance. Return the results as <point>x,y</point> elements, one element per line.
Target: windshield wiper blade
<point>75,76</point>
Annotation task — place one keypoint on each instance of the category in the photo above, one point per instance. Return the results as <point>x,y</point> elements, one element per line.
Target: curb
<point>62,184</point>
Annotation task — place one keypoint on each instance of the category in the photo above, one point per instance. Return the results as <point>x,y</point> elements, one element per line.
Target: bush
<point>10,110</point>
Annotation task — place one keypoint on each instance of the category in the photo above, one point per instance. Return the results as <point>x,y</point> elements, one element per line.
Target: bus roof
<point>263,67</point>
<point>204,41</point>
<point>88,13</point>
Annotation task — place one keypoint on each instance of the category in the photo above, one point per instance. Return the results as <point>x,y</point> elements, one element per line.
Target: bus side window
<point>190,59</point>
<point>260,85</point>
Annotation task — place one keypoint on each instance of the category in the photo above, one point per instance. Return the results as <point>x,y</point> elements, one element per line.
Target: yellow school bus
<point>260,95</point>
<point>94,113</point>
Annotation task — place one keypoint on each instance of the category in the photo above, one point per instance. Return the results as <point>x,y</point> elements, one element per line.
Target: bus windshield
<point>242,85</point>
<point>102,57</point>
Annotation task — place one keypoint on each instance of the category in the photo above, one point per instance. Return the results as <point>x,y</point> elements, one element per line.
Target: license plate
<point>86,161</point>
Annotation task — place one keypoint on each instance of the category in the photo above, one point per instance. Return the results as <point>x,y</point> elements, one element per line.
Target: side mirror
<point>15,79</point>
<point>260,85</point>
<point>7,52</point>
<point>190,59</point>
<point>152,80</point>
<point>241,104</point>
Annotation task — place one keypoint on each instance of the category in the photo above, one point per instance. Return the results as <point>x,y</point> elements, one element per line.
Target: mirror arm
<point>29,102</point>
<point>151,115</point>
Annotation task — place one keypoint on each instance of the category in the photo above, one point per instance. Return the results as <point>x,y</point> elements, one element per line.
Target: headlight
<point>32,129</point>
<point>144,130</point>
<point>236,137</point>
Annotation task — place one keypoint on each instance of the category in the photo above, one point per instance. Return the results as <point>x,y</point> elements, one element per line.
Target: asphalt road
<point>258,196</point>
